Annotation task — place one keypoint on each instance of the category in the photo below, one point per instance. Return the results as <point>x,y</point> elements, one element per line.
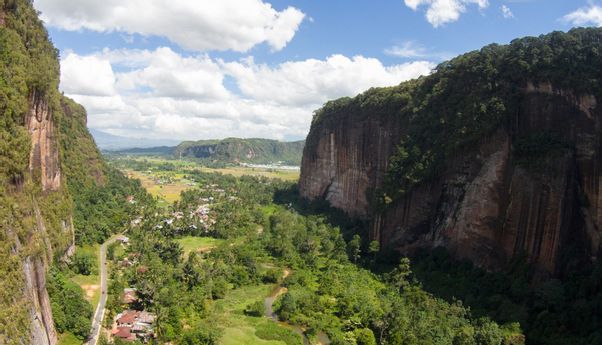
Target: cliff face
<point>36,226</point>
<point>484,206</point>
<point>486,202</point>
<point>44,155</point>
<point>345,159</point>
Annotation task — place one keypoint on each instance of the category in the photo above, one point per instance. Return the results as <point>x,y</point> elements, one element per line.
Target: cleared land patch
<point>198,244</point>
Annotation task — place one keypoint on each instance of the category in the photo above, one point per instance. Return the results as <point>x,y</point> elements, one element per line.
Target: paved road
<point>100,309</point>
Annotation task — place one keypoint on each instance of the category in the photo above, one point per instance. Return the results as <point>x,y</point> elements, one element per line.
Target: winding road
<point>100,308</point>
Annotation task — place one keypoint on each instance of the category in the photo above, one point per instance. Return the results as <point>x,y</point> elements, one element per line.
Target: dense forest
<point>326,293</point>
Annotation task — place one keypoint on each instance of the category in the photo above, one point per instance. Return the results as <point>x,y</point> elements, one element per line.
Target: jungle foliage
<point>325,291</point>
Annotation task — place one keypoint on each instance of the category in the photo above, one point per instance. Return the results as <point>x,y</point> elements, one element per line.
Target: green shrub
<point>84,263</point>
<point>271,331</point>
<point>255,309</point>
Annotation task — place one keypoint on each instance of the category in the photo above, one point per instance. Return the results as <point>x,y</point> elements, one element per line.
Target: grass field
<point>287,175</point>
<point>168,192</point>
<point>239,328</point>
<point>90,284</point>
<point>69,339</point>
<point>199,244</point>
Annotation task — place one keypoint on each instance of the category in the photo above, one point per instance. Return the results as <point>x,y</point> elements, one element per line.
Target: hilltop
<point>235,150</point>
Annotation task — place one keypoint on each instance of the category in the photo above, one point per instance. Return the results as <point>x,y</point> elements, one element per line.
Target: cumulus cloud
<point>163,94</point>
<point>200,25</point>
<point>590,15</point>
<point>87,75</point>
<point>312,82</point>
<point>506,12</point>
<point>170,75</point>
<point>440,12</point>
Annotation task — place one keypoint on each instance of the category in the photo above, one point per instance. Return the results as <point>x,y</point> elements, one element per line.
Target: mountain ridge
<point>246,150</point>
<point>111,142</point>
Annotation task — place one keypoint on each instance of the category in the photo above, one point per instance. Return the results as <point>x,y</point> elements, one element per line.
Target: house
<point>127,318</point>
<point>123,239</point>
<point>132,324</point>
<point>146,317</point>
<point>129,296</point>
<point>137,221</point>
<point>124,333</point>
<point>126,263</point>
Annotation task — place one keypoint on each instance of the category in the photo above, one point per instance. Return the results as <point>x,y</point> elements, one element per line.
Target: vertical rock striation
<point>44,156</point>
<point>42,325</point>
<point>484,204</point>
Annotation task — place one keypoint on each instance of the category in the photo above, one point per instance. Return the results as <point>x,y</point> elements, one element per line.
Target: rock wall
<point>44,155</point>
<point>42,329</point>
<point>345,159</point>
<point>484,205</point>
<point>36,228</point>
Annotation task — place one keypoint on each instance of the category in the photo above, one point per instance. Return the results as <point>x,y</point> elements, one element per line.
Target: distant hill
<point>142,151</point>
<point>259,151</point>
<point>110,142</point>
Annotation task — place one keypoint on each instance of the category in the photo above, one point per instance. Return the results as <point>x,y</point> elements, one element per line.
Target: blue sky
<point>258,68</point>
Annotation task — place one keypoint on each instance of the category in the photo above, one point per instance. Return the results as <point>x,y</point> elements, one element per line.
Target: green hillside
<point>243,150</point>
<point>82,194</point>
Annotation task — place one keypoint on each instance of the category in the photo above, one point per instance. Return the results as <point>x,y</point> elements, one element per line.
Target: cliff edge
<point>36,208</point>
<point>495,155</point>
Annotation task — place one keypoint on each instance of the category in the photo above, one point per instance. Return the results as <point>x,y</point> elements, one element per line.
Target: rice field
<point>166,186</point>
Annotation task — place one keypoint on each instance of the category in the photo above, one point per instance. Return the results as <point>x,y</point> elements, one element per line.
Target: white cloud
<point>506,12</point>
<point>414,50</point>
<point>312,82</point>
<point>408,49</point>
<point>591,15</point>
<point>87,75</point>
<point>170,75</point>
<point>199,25</point>
<point>441,12</point>
<point>162,94</point>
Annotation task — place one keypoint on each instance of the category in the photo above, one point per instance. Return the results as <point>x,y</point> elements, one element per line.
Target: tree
<point>255,309</point>
<point>374,248</point>
<point>364,336</point>
<point>84,263</point>
<point>488,333</point>
<point>354,247</point>
<point>399,275</point>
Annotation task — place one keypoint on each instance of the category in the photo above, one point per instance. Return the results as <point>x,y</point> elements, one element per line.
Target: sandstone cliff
<point>35,207</point>
<point>486,200</point>
<point>44,156</point>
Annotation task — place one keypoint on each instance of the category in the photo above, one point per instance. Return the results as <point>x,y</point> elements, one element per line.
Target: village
<point>132,322</point>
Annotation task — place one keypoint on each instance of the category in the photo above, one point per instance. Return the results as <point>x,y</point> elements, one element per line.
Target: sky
<point>211,69</point>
